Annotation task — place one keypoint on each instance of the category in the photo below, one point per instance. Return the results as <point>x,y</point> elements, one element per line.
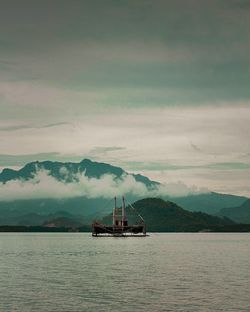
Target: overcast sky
<point>156,87</point>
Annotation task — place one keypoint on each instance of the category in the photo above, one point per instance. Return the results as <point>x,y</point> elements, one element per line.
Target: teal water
<point>163,272</point>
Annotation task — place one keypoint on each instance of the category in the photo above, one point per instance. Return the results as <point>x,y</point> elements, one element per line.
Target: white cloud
<point>156,135</point>
<point>179,188</point>
<point>63,171</point>
<point>43,185</point>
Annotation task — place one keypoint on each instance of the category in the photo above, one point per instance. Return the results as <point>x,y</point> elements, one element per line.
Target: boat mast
<point>114,214</point>
<point>124,218</point>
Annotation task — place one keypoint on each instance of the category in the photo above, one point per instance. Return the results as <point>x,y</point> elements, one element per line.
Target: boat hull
<point>101,229</point>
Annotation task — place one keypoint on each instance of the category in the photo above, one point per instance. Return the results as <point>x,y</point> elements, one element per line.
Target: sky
<point>157,87</point>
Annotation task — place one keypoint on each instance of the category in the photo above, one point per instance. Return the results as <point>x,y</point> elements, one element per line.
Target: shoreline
<point>235,228</point>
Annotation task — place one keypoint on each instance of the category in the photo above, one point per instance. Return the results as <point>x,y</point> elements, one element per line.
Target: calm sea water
<point>163,272</point>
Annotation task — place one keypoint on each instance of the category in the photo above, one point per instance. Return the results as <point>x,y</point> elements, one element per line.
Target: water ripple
<point>163,272</point>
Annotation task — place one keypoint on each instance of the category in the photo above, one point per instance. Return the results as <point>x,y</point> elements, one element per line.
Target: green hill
<point>166,216</point>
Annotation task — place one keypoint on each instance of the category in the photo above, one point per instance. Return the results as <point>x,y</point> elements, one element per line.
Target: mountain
<point>210,203</point>
<point>64,222</point>
<point>166,216</point>
<point>16,211</point>
<point>68,171</point>
<point>59,218</point>
<point>32,211</point>
<point>239,214</point>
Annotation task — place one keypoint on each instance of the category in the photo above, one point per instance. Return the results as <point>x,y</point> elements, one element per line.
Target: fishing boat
<point>120,225</point>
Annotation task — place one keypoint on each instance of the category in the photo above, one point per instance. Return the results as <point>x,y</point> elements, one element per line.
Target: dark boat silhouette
<point>120,225</point>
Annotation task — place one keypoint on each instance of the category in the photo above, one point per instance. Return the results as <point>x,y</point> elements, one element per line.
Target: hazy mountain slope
<point>59,218</point>
<point>63,222</point>
<point>239,214</point>
<point>210,203</point>
<point>13,212</point>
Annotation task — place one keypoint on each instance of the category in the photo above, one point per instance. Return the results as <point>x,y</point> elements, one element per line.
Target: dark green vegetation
<point>159,215</point>
<point>39,209</point>
<point>20,228</point>
<point>55,220</point>
<point>88,208</point>
<point>76,211</point>
<point>166,216</point>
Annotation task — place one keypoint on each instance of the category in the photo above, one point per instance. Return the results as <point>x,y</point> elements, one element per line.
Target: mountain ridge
<point>67,171</point>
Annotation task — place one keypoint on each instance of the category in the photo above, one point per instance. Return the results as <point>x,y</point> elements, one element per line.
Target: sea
<point>161,272</point>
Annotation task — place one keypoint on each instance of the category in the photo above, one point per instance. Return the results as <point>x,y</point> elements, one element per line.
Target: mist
<point>43,185</point>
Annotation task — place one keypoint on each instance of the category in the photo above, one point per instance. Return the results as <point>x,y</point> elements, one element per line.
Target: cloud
<point>230,166</point>
<point>195,147</point>
<point>155,141</point>
<point>20,160</point>
<point>118,72</point>
<point>43,185</point>
<point>30,126</point>
<point>154,166</point>
<point>187,55</point>
<point>179,189</point>
<point>105,149</point>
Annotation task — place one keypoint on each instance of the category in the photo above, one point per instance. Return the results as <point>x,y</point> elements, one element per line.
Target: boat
<point>120,225</point>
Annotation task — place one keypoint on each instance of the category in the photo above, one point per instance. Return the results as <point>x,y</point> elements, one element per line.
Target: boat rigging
<point>120,225</point>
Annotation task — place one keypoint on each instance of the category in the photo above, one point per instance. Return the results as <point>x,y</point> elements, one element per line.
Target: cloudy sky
<point>156,87</point>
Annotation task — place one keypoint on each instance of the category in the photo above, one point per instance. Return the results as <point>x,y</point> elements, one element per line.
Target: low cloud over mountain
<point>87,178</point>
